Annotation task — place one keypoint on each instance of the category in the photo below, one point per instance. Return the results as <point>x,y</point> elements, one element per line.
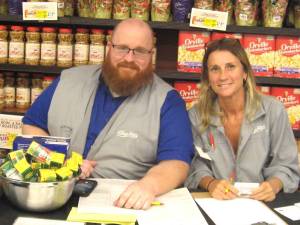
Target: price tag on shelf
<point>208,19</point>
<point>39,10</point>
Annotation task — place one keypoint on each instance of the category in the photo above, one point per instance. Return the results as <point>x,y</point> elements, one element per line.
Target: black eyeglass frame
<point>140,51</point>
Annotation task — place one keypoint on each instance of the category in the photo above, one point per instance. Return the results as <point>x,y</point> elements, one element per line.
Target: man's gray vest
<point>126,147</point>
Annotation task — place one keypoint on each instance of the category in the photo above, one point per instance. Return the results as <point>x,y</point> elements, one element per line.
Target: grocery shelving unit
<point>167,36</point>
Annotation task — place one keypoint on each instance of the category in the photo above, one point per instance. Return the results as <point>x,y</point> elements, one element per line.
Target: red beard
<point>126,78</point>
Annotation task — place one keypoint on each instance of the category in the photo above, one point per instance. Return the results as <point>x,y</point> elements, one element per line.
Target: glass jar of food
<point>96,55</point>
<point>108,40</point>
<point>36,87</point>
<point>32,46</point>
<point>48,47</point>
<point>9,90</point>
<point>3,44</point>
<point>23,91</point>
<point>81,52</point>
<point>47,80</point>
<point>65,48</point>
<point>1,91</point>
<point>16,45</point>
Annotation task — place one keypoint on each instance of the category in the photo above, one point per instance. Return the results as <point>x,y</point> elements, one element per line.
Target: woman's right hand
<point>222,190</point>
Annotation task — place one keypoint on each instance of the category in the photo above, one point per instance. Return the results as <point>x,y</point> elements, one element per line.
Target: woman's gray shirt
<point>267,148</point>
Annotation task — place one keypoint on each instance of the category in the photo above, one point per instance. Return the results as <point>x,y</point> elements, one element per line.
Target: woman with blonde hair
<point>239,134</point>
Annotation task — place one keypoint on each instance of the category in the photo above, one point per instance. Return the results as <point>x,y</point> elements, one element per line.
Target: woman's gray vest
<point>126,147</point>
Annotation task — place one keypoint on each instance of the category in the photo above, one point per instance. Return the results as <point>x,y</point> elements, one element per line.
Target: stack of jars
<point>49,47</point>
<point>22,89</point>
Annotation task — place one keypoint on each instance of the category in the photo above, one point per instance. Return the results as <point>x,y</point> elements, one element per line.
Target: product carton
<point>10,127</point>
<point>290,97</point>
<point>189,92</point>
<point>58,144</point>
<point>287,57</point>
<point>260,50</point>
<point>191,48</point>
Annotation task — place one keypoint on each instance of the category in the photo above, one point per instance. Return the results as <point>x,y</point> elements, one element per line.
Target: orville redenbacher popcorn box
<point>191,48</point>
<point>220,35</point>
<point>290,97</point>
<point>189,91</point>
<point>264,90</point>
<point>287,57</point>
<point>10,127</point>
<point>260,50</point>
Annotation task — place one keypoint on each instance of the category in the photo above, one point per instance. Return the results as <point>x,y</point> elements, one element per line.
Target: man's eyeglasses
<point>138,52</point>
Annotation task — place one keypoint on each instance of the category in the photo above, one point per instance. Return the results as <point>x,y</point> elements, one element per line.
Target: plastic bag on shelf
<point>274,12</point>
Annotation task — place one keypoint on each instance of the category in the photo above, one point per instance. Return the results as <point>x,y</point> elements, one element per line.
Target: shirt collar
<point>216,120</point>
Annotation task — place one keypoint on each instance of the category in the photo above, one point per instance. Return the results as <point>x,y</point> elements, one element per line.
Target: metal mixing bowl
<point>38,197</point>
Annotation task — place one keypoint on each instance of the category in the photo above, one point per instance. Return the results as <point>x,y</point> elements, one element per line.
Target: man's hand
<point>138,195</point>
<point>222,189</point>
<point>87,168</point>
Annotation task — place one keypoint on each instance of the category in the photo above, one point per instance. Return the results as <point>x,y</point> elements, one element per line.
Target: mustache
<point>130,65</point>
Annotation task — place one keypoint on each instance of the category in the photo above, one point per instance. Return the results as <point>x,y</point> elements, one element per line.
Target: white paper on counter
<point>239,211</point>
<point>38,221</point>
<point>292,212</point>
<point>178,207</point>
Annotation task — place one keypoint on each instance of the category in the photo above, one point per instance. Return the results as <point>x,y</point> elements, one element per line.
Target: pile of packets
<point>39,164</point>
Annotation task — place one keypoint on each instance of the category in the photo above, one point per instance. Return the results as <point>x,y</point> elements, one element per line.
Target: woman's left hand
<point>267,190</point>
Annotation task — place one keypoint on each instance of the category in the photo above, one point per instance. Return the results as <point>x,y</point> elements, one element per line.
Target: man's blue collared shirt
<point>175,137</point>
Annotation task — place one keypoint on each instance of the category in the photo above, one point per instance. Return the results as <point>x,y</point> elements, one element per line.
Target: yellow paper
<point>74,216</point>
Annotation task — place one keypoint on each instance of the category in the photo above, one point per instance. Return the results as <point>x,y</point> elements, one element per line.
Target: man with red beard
<point>126,121</point>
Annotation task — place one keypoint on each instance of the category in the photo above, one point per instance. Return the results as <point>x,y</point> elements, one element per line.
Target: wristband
<point>209,183</point>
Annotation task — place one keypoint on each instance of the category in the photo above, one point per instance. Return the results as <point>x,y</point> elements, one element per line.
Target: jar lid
<point>65,30</point>
<point>97,31</point>
<point>33,29</point>
<point>82,30</point>
<point>48,29</point>
<point>48,78</point>
<point>2,27</point>
<point>17,28</point>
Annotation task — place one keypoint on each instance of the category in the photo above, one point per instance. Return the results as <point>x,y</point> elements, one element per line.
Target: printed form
<point>178,208</point>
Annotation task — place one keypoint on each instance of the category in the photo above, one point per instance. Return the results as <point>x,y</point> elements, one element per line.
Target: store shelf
<point>268,81</point>
<point>109,23</point>
<point>31,69</point>
<point>165,74</point>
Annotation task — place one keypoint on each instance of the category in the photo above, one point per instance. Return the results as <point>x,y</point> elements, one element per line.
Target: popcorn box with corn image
<point>260,50</point>
<point>287,57</point>
<point>191,48</point>
<point>290,97</point>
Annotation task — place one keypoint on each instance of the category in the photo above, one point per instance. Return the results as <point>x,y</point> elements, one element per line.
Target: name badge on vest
<point>127,134</point>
